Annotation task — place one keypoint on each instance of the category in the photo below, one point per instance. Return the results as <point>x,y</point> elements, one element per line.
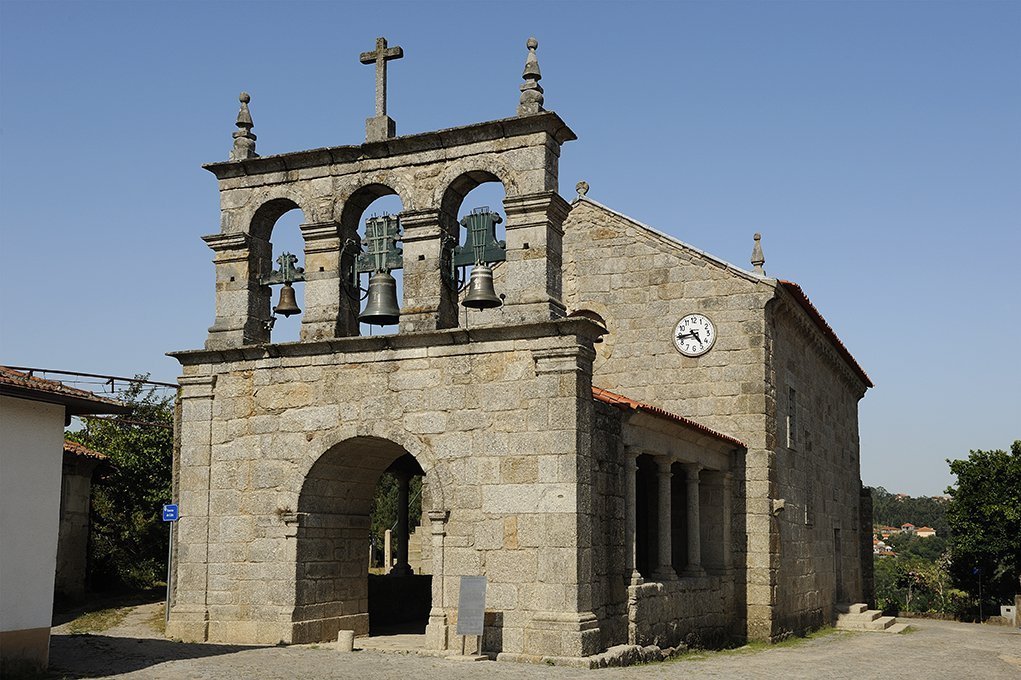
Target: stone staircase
<point>860,617</point>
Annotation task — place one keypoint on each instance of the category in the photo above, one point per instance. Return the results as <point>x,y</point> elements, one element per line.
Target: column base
<point>436,630</point>
<point>401,570</point>
<point>188,624</point>
<point>665,575</point>
<point>562,634</point>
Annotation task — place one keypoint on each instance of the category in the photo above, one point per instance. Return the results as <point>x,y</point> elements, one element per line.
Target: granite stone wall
<point>280,453</point>
<point>641,283</point>
<point>817,473</point>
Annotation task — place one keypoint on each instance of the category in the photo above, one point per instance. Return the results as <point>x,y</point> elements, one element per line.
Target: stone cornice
<point>785,305</point>
<point>547,122</point>
<point>577,327</point>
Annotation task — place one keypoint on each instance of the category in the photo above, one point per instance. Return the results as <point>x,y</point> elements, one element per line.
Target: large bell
<point>381,308</point>
<point>481,294</point>
<point>288,304</point>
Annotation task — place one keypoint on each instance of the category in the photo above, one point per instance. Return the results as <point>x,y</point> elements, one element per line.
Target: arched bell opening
<point>334,545</point>
<point>277,253</point>
<point>472,210</point>
<point>374,213</point>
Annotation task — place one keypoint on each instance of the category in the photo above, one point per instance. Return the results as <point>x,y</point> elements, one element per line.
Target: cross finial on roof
<point>531,91</point>
<point>758,259</point>
<point>380,126</point>
<point>244,140</point>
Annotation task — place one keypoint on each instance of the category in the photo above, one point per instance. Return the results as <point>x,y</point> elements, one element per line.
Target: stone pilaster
<point>331,307</point>
<point>189,612</point>
<point>429,302</point>
<point>664,569</point>
<point>694,566</point>
<point>532,281</point>
<point>436,630</point>
<point>725,534</point>
<point>242,303</point>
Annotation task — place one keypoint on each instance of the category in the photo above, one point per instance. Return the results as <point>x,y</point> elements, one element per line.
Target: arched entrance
<point>332,551</point>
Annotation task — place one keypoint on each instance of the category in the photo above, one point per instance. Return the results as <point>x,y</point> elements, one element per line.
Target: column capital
<point>438,521</point>
<point>664,463</point>
<point>691,471</point>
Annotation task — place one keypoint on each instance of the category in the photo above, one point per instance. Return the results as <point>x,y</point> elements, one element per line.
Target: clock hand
<point>695,334</point>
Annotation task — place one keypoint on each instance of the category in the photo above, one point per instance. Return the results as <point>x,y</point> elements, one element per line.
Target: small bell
<point>481,294</point>
<point>381,309</point>
<point>288,304</point>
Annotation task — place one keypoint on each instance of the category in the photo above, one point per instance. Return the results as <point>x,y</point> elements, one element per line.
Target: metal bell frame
<point>288,273</point>
<point>480,249</point>
<point>380,258</point>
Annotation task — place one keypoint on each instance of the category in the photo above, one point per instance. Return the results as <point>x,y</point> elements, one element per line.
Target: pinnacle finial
<point>244,140</point>
<point>581,187</point>
<point>758,259</point>
<point>531,91</point>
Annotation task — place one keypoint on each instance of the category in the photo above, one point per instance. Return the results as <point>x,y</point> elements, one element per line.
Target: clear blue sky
<point>876,145</point>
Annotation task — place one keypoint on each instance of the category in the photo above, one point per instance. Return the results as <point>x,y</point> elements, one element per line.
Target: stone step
<point>863,618</point>
<point>868,620</point>
<point>858,608</point>
<point>882,623</point>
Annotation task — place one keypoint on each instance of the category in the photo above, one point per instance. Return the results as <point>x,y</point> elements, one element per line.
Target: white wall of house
<point>31,453</point>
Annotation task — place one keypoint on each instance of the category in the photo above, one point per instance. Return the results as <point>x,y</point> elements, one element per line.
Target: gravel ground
<point>934,650</point>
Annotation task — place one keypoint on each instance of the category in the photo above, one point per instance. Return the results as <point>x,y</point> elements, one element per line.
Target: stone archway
<point>331,559</point>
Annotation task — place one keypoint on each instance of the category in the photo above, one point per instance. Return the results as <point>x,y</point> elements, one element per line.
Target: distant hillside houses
<point>882,533</point>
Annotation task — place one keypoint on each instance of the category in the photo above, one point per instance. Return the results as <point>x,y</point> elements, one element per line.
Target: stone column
<point>430,302</point>
<point>436,630</point>
<point>694,567</point>
<point>533,281</point>
<point>331,307</point>
<point>402,568</point>
<point>728,547</point>
<point>665,569</point>
<point>631,516</point>
<point>189,611</point>
<point>242,303</point>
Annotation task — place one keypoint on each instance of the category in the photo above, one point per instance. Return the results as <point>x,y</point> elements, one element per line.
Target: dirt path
<point>936,650</point>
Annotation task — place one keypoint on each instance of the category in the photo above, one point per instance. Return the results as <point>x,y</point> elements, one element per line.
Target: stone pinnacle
<point>244,140</point>
<point>531,91</point>
<point>758,259</point>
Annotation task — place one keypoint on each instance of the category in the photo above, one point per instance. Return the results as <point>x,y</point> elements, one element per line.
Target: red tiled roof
<point>16,383</point>
<point>76,449</point>
<point>806,304</point>
<point>624,403</point>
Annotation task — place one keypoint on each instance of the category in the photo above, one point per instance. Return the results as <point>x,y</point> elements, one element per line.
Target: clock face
<point>694,335</point>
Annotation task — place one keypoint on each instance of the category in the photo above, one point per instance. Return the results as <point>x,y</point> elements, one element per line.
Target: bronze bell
<point>288,304</point>
<point>481,294</point>
<point>381,308</point>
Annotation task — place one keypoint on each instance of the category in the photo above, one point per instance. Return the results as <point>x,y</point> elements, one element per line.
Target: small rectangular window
<point>792,418</point>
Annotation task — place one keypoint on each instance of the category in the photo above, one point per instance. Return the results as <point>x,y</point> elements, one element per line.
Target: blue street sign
<point>170,513</point>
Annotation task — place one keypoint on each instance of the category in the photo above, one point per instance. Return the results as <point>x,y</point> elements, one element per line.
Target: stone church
<point>635,442</point>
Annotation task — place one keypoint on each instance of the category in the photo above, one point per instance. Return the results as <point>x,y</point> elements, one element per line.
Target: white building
<point>33,414</point>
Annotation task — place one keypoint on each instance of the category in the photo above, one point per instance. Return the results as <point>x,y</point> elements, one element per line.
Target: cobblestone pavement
<point>936,649</point>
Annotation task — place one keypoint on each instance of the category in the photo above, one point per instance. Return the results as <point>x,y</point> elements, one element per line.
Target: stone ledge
<point>546,121</point>
<point>575,326</point>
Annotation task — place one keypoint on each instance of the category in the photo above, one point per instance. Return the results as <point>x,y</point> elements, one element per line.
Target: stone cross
<point>381,126</point>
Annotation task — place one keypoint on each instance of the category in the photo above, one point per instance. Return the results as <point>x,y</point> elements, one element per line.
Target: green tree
<point>985,522</point>
<point>128,539</point>
<point>383,513</point>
